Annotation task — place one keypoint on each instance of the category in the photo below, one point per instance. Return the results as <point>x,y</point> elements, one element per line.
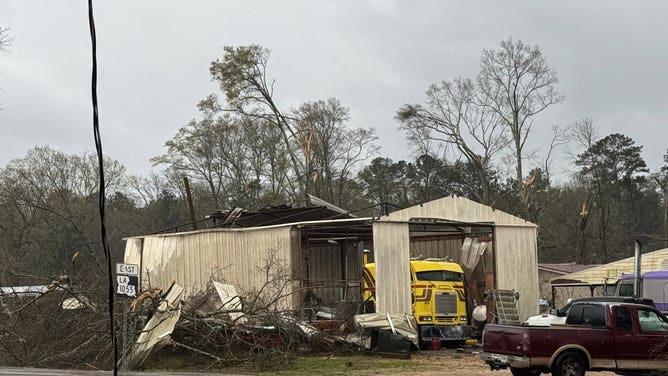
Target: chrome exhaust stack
<point>636,269</point>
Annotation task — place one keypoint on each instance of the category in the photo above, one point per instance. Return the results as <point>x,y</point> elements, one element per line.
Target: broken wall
<point>334,272</point>
<point>234,256</point>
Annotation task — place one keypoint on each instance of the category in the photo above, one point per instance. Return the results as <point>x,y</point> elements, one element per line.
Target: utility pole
<point>189,199</point>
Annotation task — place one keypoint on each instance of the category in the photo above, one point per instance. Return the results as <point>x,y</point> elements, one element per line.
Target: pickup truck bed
<point>624,338</point>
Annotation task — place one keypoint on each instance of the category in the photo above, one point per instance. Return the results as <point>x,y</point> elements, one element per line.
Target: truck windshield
<point>625,288</point>
<point>439,275</point>
<point>651,322</point>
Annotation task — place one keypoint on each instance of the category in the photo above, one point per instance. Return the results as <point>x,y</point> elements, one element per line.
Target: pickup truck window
<point>623,319</point>
<point>581,314</point>
<point>651,322</point>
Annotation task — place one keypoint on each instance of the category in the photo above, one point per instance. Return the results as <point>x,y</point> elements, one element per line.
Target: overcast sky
<point>611,58</point>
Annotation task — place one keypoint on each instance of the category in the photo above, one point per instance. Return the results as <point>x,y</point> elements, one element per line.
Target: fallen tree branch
<point>69,353</point>
<point>31,302</point>
<point>218,359</point>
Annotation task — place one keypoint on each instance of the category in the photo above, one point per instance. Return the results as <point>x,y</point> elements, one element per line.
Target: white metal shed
<point>515,251</point>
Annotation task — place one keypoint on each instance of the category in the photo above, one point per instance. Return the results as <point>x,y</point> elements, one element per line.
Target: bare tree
<point>49,202</point>
<point>289,154</point>
<point>516,84</point>
<point>330,149</point>
<point>450,115</point>
<point>559,138</point>
<point>236,157</point>
<point>146,190</point>
<point>242,74</point>
<point>356,146</point>
<point>195,151</point>
<point>584,132</point>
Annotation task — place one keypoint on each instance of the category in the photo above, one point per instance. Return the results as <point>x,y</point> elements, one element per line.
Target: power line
<point>101,201</point>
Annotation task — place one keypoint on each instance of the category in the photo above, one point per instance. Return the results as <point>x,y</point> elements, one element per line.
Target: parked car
<point>624,338</point>
<point>558,316</point>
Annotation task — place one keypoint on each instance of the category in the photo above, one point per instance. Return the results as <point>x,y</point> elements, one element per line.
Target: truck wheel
<point>569,364</point>
<point>524,372</point>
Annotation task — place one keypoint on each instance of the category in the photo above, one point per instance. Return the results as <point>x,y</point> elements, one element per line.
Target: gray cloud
<point>374,56</point>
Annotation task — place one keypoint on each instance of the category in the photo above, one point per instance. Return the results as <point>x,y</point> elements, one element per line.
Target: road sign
<point>126,285</point>
<point>127,269</point>
<point>127,279</point>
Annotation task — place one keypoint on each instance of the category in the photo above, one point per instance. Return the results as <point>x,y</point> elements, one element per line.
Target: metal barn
<point>321,256</point>
<point>513,255</point>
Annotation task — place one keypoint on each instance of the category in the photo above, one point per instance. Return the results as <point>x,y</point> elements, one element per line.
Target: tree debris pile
<point>232,331</point>
<point>64,323</point>
<point>54,327</point>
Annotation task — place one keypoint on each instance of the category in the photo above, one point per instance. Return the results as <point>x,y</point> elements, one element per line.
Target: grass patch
<point>176,359</point>
<point>326,365</point>
<point>170,359</point>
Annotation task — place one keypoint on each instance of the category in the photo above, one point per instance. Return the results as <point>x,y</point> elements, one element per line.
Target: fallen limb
<point>218,359</point>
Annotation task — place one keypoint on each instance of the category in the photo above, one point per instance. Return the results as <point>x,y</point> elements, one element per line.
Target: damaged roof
<point>317,210</point>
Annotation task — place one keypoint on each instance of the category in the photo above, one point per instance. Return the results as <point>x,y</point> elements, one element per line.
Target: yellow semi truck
<point>438,298</point>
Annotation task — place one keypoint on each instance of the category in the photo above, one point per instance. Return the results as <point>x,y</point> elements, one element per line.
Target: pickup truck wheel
<point>569,364</point>
<point>524,372</point>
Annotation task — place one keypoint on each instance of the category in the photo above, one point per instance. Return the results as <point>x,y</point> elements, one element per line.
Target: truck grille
<point>446,304</point>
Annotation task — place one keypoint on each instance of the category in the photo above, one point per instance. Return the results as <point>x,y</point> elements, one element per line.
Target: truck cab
<point>653,285</point>
<point>438,298</point>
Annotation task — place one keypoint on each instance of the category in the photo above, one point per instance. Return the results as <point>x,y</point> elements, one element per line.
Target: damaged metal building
<point>321,251</point>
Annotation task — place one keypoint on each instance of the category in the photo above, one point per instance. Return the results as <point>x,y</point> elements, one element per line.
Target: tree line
<point>245,150</point>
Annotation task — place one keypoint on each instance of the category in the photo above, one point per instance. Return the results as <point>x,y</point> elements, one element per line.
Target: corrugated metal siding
<point>324,263</point>
<point>515,246</point>
<point>354,266</point>
<point>327,276</point>
<point>393,279</point>
<point>650,261</point>
<point>438,248</point>
<point>457,209</point>
<point>234,256</point>
<point>517,266</point>
<point>133,251</point>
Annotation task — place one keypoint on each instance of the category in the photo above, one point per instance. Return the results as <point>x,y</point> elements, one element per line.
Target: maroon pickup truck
<point>628,339</point>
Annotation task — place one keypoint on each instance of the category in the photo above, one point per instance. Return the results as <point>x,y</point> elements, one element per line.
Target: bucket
<point>435,343</point>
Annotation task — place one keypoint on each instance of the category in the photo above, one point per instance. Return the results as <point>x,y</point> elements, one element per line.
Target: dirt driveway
<point>451,362</point>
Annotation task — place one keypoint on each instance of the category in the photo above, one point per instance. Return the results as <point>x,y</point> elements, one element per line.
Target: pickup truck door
<point>626,341</point>
<point>652,339</point>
